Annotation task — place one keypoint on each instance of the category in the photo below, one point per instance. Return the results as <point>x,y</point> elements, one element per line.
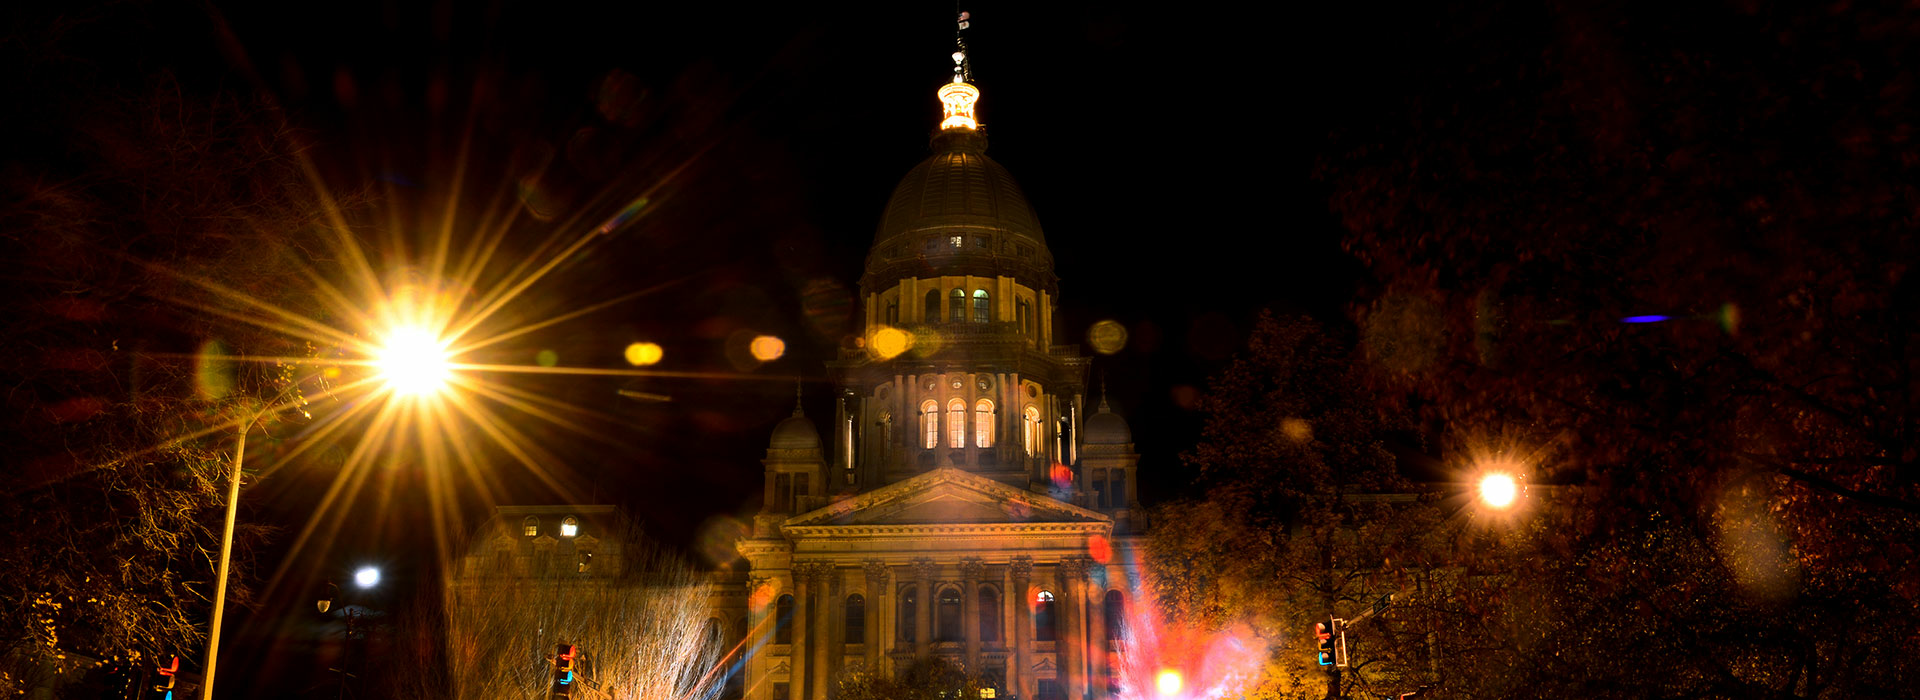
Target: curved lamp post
<point>413,363</point>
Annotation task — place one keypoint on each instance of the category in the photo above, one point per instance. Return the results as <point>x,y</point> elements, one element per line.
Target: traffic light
<point>1323,631</point>
<point>563,671</point>
<point>163,680</point>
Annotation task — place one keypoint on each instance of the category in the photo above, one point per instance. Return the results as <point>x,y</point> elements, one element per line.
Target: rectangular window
<point>981,242</point>
<point>1049,689</point>
<point>782,490</point>
<point>1100,494</point>
<point>956,240</point>
<point>1120,490</point>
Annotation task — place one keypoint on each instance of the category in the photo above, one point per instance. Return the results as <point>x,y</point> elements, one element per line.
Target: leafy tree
<point>117,195</point>
<point>1666,255</point>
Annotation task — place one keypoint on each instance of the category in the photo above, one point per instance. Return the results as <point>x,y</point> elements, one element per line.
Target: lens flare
<point>643,354</point>
<point>1498,489</point>
<point>413,362</point>
<point>1107,337</point>
<point>767,348</point>
<point>888,343</point>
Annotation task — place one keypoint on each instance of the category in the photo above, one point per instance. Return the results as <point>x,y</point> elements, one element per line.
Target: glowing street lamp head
<point>414,362</point>
<point>1498,489</point>
<point>1169,682</point>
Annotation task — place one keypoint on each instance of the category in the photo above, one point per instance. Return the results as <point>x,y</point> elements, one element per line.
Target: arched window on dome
<point>892,317</point>
<point>932,312</point>
<point>570,526</point>
<point>930,423</point>
<point>1030,431</point>
<point>957,305</point>
<point>982,310</point>
<point>983,423</point>
<point>530,527</point>
<point>956,423</point>
<point>1024,313</point>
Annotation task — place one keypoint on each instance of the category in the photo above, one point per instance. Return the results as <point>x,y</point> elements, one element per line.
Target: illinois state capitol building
<point>971,506</point>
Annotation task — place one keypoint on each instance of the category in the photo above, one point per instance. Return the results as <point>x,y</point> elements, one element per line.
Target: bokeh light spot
<point>1107,337</point>
<point>213,372</point>
<point>1100,549</point>
<point>1062,475</point>
<point>888,343</point>
<point>767,348</point>
<point>643,354</point>
<point>546,358</point>
<point>366,577</point>
<point>1296,429</point>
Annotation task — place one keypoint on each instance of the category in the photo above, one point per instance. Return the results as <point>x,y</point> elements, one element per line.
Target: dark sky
<point>1167,148</point>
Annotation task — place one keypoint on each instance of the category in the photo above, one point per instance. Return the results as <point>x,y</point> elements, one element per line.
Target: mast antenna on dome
<point>796,395</point>
<point>957,97</point>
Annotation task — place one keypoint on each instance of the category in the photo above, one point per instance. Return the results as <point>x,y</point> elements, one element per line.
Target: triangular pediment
<point>947,497</point>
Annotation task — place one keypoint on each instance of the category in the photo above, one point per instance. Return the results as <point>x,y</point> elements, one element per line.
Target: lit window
<point>982,310</point>
<point>955,241</point>
<point>983,423</point>
<point>569,527</point>
<point>1043,617</point>
<point>957,305</point>
<point>930,421</point>
<point>1030,431</point>
<point>956,423</point>
<point>530,526</point>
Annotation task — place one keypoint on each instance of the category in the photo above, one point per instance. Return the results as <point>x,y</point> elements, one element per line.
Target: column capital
<point>877,571</point>
<point>1022,568</point>
<point>1072,569</point>
<point>971,569</point>
<point>811,571</point>
<point>924,569</point>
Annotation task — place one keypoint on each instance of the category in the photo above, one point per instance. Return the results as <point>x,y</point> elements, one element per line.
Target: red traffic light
<point>1321,631</point>
<point>170,668</point>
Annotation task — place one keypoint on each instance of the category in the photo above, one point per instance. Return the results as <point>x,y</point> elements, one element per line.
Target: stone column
<point>970,572</point>
<point>1097,647</point>
<point>1071,644</point>
<point>758,633</point>
<point>827,648</point>
<point>797,651</point>
<point>1021,664</point>
<point>923,570</point>
<point>877,603</point>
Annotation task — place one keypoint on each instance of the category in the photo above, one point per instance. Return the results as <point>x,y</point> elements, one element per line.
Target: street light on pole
<point>413,363</point>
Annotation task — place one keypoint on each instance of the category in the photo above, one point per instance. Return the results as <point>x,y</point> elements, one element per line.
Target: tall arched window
<point>1030,431</point>
<point>570,526</point>
<point>982,311</point>
<point>957,305</point>
<point>1116,611</point>
<point>1025,313</point>
<point>530,526</point>
<point>956,423</point>
<point>856,618</point>
<point>932,314</point>
<point>989,615</point>
<point>909,607</point>
<point>983,423</point>
<point>930,423</point>
<point>949,616</point>
<point>1043,617</point>
<point>783,620</point>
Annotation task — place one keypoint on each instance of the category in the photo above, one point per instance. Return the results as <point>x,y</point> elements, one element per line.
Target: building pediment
<point>948,498</point>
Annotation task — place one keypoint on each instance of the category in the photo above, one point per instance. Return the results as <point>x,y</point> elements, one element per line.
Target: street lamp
<point>413,362</point>
<point>1498,489</point>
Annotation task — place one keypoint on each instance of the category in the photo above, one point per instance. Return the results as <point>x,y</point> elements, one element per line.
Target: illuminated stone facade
<point>964,505</point>
<point>967,507</point>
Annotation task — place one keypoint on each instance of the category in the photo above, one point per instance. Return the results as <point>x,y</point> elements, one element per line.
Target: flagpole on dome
<point>957,97</point>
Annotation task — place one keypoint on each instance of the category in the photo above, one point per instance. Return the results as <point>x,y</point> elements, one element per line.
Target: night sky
<point>1168,150</point>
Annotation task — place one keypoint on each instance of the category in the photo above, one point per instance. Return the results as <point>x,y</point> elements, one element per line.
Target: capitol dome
<point>959,213</point>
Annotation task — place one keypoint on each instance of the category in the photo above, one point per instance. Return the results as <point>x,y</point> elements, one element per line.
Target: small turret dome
<point>795,433</point>
<point>1107,427</point>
